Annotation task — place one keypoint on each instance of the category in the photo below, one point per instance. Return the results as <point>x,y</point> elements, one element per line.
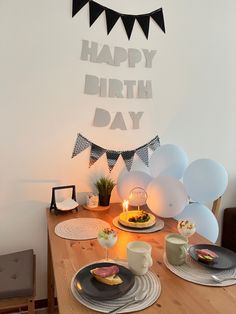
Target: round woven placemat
<point>148,282</point>
<point>196,273</point>
<point>80,228</point>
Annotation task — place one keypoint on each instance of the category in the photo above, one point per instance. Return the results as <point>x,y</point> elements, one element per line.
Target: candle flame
<point>125,205</point>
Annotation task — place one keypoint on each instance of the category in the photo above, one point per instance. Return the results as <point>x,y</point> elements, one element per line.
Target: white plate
<point>158,226</point>
<point>67,204</point>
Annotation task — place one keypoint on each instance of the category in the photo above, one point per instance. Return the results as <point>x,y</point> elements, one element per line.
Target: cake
<point>137,219</point>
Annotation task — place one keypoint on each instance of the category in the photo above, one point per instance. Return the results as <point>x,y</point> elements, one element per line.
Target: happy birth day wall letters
<point>116,88</point>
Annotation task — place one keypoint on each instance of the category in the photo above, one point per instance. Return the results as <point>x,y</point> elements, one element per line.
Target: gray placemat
<point>196,273</point>
<point>158,226</point>
<point>148,282</point>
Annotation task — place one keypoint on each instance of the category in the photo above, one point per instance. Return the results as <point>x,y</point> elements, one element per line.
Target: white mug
<point>139,257</point>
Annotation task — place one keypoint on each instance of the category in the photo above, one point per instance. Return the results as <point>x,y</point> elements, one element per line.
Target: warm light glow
<point>125,206</point>
<point>78,285</point>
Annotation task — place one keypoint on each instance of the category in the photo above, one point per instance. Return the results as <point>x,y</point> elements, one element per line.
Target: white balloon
<point>205,180</point>
<point>202,216</point>
<point>166,196</point>
<point>130,180</point>
<point>168,160</point>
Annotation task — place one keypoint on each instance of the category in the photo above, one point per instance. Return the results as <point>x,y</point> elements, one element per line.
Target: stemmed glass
<point>186,227</point>
<point>107,238</point>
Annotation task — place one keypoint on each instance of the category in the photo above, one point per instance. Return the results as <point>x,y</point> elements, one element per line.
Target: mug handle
<point>184,251</point>
<point>148,260</point>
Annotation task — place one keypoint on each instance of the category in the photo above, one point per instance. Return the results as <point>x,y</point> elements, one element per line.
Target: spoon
<point>217,279</point>
<point>137,298</point>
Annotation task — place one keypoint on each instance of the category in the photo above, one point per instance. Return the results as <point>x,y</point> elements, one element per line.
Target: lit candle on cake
<point>125,208</point>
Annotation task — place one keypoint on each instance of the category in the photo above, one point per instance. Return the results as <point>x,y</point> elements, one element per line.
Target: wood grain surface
<point>178,296</point>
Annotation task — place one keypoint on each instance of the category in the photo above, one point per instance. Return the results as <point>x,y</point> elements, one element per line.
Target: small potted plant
<point>104,186</point>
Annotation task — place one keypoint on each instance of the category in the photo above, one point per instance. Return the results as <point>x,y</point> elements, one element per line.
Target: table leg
<point>51,284</point>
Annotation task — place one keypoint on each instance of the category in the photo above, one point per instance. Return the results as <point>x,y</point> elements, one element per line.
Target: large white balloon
<point>166,196</point>
<point>205,180</point>
<point>168,160</point>
<point>130,180</point>
<point>202,216</point>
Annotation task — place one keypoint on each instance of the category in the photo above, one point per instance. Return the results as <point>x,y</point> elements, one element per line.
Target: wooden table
<point>65,257</point>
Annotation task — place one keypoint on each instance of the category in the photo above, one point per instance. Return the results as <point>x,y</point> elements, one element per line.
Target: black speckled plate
<point>226,259</point>
<point>87,284</point>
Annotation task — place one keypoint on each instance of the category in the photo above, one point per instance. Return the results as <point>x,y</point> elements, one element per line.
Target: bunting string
<point>128,20</point>
<point>97,152</point>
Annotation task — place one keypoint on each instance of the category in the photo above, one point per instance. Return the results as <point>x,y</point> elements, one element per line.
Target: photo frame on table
<point>53,205</point>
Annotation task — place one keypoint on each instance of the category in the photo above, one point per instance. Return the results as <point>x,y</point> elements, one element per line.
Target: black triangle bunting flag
<point>159,19</point>
<point>143,21</point>
<point>112,157</point>
<point>95,9</point>
<point>111,17</point>
<point>128,21</point>
<point>128,157</point>
<point>77,6</point>
<point>142,152</point>
<point>95,154</point>
<point>153,144</point>
<point>81,144</point>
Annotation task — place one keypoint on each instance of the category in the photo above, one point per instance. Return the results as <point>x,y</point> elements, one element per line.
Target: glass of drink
<point>107,238</point>
<point>186,227</point>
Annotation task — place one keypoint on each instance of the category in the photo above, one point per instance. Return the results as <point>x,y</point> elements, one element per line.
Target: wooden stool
<point>17,281</point>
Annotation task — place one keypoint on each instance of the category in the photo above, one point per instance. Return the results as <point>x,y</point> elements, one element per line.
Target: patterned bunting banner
<point>112,156</point>
<point>95,10</point>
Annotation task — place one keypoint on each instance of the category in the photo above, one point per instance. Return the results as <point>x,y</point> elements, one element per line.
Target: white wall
<point>43,105</point>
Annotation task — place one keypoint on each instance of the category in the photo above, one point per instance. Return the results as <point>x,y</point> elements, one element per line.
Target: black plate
<point>226,259</point>
<point>100,291</point>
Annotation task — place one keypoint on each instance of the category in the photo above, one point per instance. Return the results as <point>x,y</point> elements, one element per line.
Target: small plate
<point>226,259</point>
<point>98,290</point>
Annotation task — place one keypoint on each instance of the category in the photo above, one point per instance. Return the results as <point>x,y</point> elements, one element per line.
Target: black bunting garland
<point>96,9</point>
<point>97,152</point>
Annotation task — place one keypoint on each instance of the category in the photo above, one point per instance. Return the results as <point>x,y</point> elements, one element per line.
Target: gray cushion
<point>17,274</point>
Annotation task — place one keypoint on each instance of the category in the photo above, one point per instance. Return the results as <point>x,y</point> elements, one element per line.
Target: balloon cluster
<point>203,181</point>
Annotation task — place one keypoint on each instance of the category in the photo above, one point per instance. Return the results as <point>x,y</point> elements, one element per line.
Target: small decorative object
<point>107,238</point>
<point>138,197</point>
<point>67,204</point>
<point>91,200</point>
<point>105,186</point>
<point>186,227</point>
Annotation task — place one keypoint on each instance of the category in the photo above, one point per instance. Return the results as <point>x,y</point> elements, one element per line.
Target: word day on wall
<point>116,88</point>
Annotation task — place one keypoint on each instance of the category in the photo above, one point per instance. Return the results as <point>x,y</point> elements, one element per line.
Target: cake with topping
<point>137,219</point>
